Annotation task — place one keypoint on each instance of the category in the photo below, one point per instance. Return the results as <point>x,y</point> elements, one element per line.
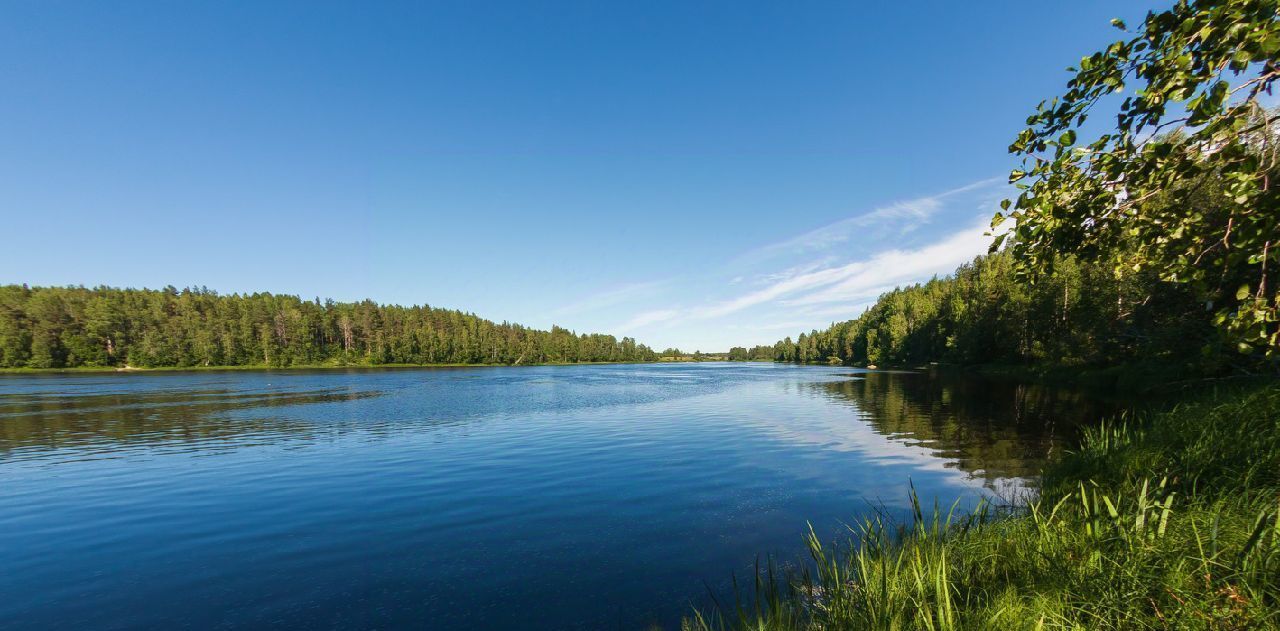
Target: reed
<point>1166,521</point>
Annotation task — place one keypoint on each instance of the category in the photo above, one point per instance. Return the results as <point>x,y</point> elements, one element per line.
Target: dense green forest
<point>753,354</point>
<point>1081,313</point>
<point>69,327</point>
<point>735,354</point>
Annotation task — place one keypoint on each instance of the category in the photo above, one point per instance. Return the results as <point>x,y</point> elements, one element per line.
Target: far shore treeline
<point>1080,314</point>
<point>73,327</point>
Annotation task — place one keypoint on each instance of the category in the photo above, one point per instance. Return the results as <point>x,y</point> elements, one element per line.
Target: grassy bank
<point>1170,521</point>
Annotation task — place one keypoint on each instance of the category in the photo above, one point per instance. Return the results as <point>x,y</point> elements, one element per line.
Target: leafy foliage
<point>755,353</point>
<point>66,327</point>
<point>1184,184</point>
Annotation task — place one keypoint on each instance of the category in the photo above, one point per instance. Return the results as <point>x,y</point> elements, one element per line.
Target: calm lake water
<point>590,497</point>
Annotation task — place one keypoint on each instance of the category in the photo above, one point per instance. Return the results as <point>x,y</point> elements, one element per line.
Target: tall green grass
<point>1171,521</point>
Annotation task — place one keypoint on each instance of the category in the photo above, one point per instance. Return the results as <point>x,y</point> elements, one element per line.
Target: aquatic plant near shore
<point>1168,522</point>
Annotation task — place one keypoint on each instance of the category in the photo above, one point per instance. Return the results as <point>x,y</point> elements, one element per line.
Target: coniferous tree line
<point>1077,314</point>
<point>735,354</point>
<point>67,327</point>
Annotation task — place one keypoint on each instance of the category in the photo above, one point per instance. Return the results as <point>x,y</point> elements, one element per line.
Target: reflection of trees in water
<point>991,428</point>
<point>153,418</point>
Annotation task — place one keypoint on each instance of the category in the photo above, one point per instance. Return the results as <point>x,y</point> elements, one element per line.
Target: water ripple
<point>542,497</point>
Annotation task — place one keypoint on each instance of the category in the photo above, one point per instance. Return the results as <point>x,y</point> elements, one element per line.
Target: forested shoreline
<point>1081,314</point>
<point>78,327</point>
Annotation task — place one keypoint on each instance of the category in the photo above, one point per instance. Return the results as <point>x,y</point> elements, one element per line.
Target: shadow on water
<point>470,498</point>
<point>989,428</point>
<point>54,421</point>
<point>115,416</point>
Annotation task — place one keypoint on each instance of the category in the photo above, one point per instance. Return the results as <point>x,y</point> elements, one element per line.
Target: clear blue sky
<point>692,174</point>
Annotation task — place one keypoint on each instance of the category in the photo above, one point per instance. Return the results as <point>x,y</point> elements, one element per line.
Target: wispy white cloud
<point>647,318</point>
<point>906,215</point>
<point>812,284</point>
<point>794,271</point>
<point>612,297</point>
<point>773,326</point>
<point>847,285</point>
<point>772,292</point>
<point>866,279</point>
<point>855,281</point>
<point>838,311</point>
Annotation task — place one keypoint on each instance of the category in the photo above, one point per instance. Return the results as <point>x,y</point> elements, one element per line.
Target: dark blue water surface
<point>591,497</point>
